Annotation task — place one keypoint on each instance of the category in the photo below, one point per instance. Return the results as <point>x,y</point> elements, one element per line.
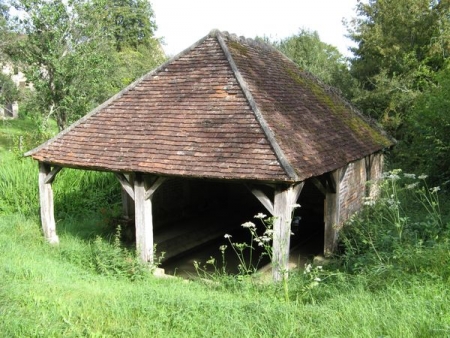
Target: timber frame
<point>138,190</point>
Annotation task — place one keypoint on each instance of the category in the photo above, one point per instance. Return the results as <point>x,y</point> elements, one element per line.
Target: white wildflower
<point>435,189</point>
<point>392,175</point>
<point>227,236</point>
<point>296,205</point>
<point>423,176</point>
<point>369,201</point>
<point>248,225</point>
<point>268,232</point>
<point>413,176</point>
<point>412,186</point>
<point>317,279</point>
<point>222,248</point>
<point>308,268</point>
<point>260,215</point>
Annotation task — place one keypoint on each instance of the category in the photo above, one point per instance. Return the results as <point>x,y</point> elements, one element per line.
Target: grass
<point>91,286</point>
<point>44,295</point>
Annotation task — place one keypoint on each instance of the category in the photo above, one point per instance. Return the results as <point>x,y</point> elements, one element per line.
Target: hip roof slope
<point>225,108</point>
<point>316,129</point>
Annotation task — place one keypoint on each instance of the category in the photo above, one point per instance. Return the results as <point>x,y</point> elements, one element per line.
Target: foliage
<point>8,90</point>
<point>112,259</point>
<point>129,22</point>
<point>46,294</point>
<point>426,146</point>
<point>404,231</point>
<point>130,26</point>
<point>321,59</point>
<point>133,63</point>
<point>4,31</point>
<point>400,44</point>
<point>77,56</point>
<point>66,57</point>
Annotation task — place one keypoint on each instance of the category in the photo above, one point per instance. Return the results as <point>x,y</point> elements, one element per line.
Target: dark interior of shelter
<point>191,216</point>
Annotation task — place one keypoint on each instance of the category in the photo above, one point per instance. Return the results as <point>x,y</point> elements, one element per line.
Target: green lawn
<point>44,294</point>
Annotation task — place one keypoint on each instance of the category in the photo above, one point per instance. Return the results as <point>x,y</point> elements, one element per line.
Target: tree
<point>4,31</point>
<point>129,22</point>
<point>8,90</point>
<point>319,58</point>
<point>131,26</point>
<point>69,56</point>
<point>400,45</point>
<point>427,145</point>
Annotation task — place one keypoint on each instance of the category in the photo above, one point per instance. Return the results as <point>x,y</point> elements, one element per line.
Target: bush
<point>403,232</point>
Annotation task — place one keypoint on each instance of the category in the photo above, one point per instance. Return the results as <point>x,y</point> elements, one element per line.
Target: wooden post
<point>143,193</point>
<point>332,213</point>
<point>46,177</point>
<point>143,220</point>
<point>128,207</point>
<point>284,201</point>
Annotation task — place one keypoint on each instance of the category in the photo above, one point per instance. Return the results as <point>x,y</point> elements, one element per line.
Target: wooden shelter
<point>226,109</point>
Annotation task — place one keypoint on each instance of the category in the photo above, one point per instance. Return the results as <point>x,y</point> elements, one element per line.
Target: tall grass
<point>44,295</point>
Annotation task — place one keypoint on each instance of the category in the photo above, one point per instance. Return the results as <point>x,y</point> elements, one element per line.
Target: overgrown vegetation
<point>390,279</point>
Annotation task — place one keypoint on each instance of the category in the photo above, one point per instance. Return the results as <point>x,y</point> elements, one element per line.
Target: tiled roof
<point>227,108</point>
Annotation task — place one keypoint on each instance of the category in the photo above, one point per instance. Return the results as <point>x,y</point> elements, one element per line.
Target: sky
<point>183,22</point>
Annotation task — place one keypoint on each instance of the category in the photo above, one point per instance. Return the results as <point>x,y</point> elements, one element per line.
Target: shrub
<point>403,232</point>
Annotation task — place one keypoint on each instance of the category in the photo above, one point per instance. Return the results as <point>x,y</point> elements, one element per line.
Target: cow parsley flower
<point>248,225</point>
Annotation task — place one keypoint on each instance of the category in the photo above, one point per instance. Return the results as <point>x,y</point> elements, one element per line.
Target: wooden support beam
<point>153,186</point>
<point>330,183</point>
<point>319,185</point>
<point>126,184</point>
<point>332,213</point>
<point>143,220</point>
<point>52,174</point>
<point>46,177</point>
<point>285,198</point>
<point>144,188</point>
<point>342,172</point>
<point>262,197</point>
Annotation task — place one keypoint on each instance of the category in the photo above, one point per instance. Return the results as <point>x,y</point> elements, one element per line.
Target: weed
<point>391,235</point>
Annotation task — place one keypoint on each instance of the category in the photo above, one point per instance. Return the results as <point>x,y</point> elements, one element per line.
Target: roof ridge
<point>285,164</point>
